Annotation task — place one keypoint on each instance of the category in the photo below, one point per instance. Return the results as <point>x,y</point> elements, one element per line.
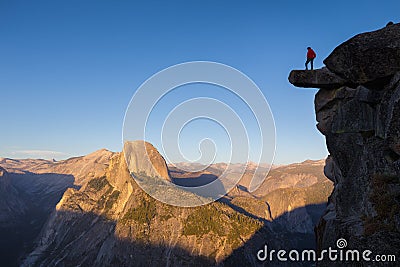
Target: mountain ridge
<point>112,200</point>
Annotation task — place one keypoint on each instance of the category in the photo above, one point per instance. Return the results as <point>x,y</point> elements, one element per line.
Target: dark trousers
<point>312,63</point>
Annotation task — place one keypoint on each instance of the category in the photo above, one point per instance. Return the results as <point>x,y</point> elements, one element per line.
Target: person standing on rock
<point>310,57</point>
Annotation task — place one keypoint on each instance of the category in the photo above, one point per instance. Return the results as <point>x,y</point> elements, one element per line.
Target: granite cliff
<point>144,158</point>
<point>11,206</point>
<point>358,111</point>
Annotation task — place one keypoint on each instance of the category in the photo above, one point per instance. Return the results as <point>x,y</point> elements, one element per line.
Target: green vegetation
<point>244,223</point>
<point>209,218</point>
<point>385,197</point>
<point>253,206</point>
<point>112,199</point>
<point>98,183</point>
<point>102,201</point>
<point>241,226</point>
<point>108,195</point>
<point>143,213</point>
<point>202,221</point>
<point>166,213</point>
<point>149,184</point>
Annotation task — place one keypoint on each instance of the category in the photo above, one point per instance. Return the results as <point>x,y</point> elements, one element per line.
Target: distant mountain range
<point>88,211</point>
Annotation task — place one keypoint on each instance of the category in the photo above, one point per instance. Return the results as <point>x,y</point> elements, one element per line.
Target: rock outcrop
<point>361,123</point>
<point>142,157</point>
<point>367,57</point>
<point>321,78</point>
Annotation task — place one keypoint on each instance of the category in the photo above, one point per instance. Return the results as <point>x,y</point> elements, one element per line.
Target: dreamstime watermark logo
<point>341,243</point>
<point>330,254</point>
<point>248,129</point>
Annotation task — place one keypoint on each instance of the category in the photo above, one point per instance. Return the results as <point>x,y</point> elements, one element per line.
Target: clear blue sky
<point>69,68</point>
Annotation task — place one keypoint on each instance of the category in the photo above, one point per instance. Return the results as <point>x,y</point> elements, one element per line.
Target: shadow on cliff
<point>39,193</point>
<point>200,180</point>
<point>241,210</point>
<point>197,182</point>
<point>278,237</point>
<point>90,239</point>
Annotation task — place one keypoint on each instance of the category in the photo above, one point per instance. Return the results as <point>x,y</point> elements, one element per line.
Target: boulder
<point>367,56</point>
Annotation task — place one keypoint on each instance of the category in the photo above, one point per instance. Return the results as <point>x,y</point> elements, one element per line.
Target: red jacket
<point>311,53</point>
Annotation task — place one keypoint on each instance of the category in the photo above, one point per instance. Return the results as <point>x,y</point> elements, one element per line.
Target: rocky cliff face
<point>13,212</point>
<point>296,194</point>
<point>11,206</point>
<point>358,111</point>
<point>143,158</point>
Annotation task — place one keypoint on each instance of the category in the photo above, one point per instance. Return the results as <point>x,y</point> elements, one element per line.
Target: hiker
<point>310,57</point>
